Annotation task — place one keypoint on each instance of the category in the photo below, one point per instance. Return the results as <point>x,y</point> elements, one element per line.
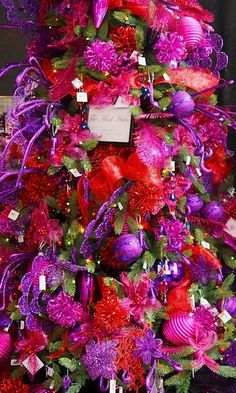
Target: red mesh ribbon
<point>136,9</point>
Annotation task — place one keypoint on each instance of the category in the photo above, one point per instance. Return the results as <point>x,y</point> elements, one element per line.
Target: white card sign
<point>112,124</point>
<point>230,227</point>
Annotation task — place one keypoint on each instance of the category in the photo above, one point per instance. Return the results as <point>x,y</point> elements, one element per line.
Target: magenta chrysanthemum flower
<point>204,317</point>
<point>64,311</point>
<point>101,56</point>
<point>170,48</point>
<point>100,359</point>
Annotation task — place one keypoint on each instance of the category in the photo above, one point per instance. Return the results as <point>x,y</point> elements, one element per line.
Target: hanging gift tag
<point>192,301</point>
<point>49,372</point>
<point>22,325</point>
<point>225,316</point>
<point>15,362</point>
<point>77,83</point>
<point>13,215</point>
<point>33,364</point>
<point>42,283</point>
<point>188,160</point>
<point>82,96</point>
<point>111,124</point>
<point>112,386</point>
<point>121,390</point>
<point>21,238</point>
<point>206,245</point>
<point>230,227</point>
<point>75,172</point>
<point>142,61</point>
<point>172,166</point>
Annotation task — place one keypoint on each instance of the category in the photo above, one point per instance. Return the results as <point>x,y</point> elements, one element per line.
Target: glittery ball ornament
<point>175,273</point>
<point>191,31</point>
<point>179,328</point>
<point>5,345</point>
<point>182,104</point>
<point>228,304</point>
<point>127,248</point>
<point>194,203</point>
<point>213,210</point>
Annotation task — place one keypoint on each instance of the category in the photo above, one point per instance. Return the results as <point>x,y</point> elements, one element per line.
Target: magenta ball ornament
<point>5,346</point>
<point>127,248</point>
<point>180,328</point>
<point>194,203</point>
<point>175,273</point>
<point>191,31</point>
<point>213,210</point>
<point>182,104</point>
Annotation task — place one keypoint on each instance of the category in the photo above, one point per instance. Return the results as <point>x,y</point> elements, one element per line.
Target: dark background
<point>12,49</point>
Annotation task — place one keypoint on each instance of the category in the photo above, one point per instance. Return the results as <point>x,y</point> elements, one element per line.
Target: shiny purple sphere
<point>213,211</point>
<point>194,203</point>
<point>127,248</point>
<point>228,304</point>
<point>182,104</point>
<point>175,273</point>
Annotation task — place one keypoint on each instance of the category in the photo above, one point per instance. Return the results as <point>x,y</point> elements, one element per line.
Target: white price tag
<point>13,215</point>
<point>166,77</point>
<point>199,172</point>
<point>15,362</point>
<point>22,325</point>
<point>225,316</point>
<point>230,227</point>
<point>42,283</point>
<point>120,206</point>
<point>188,160</point>
<point>21,239</point>
<point>121,389</point>
<point>75,172</point>
<point>172,166</point>
<point>142,61</point>
<point>77,83</point>
<point>192,301</point>
<point>206,245</point>
<point>112,386</point>
<point>82,96</point>
<point>49,371</point>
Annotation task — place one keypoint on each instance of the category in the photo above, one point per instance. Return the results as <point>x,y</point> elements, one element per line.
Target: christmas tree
<point>118,212</point>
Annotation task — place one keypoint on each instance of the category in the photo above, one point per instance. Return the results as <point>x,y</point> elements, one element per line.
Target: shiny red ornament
<point>124,38</point>
<point>110,315</point>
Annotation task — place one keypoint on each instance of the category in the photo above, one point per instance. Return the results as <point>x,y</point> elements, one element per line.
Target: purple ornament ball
<point>182,104</point>
<point>127,248</point>
<point>194,203</point>
<point>213,211</point>
<point>228,304</point>
<point>175,273</point>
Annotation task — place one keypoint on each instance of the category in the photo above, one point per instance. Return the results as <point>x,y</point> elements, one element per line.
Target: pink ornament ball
<point>5,346</point>
<point>127,248</point>
<point>191,31</point>
<point>179,328</point>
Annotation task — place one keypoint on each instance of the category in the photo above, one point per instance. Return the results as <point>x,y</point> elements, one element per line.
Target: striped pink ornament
<point>5,346</point>
<point>191,30</point>
<point>179,328</point>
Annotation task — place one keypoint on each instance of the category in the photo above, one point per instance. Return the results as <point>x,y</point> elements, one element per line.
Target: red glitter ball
<point>13,385</point>
<point>145,198</point>
<point>37,186</point>
<point>124,38</point>
<point>110,315</point>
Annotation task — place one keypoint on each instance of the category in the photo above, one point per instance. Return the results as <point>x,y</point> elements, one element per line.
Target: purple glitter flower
<point>202,271</point>
<point>204,317</point>
<point>100,359</point>
<point>170,48</point>
<point>230,355</point>
<point>64,311</point>
<point>148,347</point>
<point>101,56</point>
